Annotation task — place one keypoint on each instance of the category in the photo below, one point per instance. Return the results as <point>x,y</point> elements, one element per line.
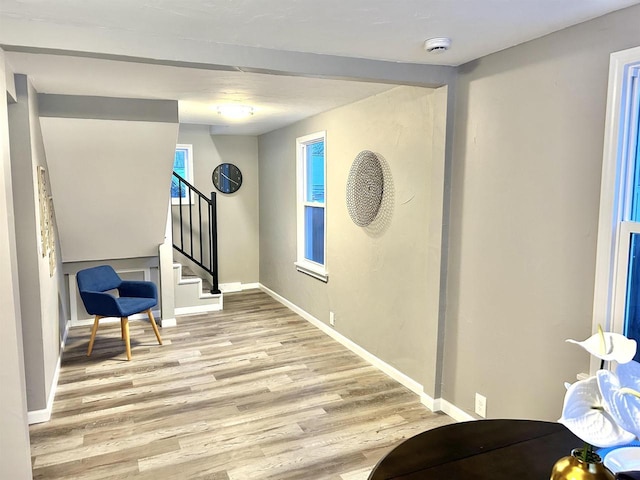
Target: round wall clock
<point>227,178</point>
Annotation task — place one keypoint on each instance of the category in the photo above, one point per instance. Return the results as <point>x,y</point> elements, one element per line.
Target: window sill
<point>321,275</point>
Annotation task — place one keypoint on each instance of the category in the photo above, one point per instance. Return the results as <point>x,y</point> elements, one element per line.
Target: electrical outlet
<point>481,405</point>
<point>332,319</point>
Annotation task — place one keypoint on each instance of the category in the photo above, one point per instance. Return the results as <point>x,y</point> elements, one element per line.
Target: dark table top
<point>483,449</point>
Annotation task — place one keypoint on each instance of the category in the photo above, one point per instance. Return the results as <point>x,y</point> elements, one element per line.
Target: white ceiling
<point>389,30</point>
<point>278,100</point>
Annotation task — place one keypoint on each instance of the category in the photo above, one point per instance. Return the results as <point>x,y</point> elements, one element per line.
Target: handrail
<point>207,231</point>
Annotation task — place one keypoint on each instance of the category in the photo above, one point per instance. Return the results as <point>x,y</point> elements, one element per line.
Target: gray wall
<point>110,168</point>
<point>41,293</point>
<point>237,213</point>
<point>525,187</point>
<point>379,281</point>
<point>15,454</point>
<point>529,129</point>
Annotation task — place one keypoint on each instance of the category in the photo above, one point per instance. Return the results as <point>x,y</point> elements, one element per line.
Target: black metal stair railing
<point>203,233</point>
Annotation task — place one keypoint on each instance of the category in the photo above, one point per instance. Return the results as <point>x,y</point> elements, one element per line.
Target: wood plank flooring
<point>252,392</point>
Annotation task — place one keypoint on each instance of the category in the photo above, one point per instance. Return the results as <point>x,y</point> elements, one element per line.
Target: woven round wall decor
<point>365,187</point>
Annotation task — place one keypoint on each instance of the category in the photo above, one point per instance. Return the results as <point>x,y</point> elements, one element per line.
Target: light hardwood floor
<point>252,392</point>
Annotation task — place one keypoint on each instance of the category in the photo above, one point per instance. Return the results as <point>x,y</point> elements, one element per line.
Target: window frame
<point>616,193</point>
<point>183,200</point>
<point>303,264</point>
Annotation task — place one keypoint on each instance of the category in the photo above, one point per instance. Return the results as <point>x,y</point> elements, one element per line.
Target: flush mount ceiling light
<point>437,45</point>
<point>233,110</point>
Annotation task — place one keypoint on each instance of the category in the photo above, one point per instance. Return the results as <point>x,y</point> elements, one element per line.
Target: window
<point>183,166</point>
<point>312,211</point>
<point>618,253</point>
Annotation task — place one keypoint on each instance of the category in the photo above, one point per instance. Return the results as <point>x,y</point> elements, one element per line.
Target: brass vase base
<point>574,467</point>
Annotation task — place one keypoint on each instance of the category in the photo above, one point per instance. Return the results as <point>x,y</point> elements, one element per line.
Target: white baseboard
<point>44,415</point>
<point>234,287</point>
<point>394,373</point>
<point>435,405</point>
<point>197,309</point>
<point>230,287</point>
<point>63,342</point>
<point>168,322</point>
<point>455,412</point>
<point>39,416</point>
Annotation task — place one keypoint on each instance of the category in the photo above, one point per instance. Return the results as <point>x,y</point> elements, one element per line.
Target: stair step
<point>193,293</point>
<point>187,273</point>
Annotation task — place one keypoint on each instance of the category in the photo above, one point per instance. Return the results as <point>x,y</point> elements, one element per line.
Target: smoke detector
<point>437,45</point>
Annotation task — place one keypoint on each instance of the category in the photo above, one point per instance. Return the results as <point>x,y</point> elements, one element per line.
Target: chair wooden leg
<point>94,330</point>
<point>155,327</point>
<point>124,325</point>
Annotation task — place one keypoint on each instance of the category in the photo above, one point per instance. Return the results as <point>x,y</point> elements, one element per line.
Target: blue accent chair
<point>133,297</point>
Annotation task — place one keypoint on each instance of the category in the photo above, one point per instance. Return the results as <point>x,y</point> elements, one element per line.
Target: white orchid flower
<point>609,346</point>
<point>621,395</point>
<point>584,414</point>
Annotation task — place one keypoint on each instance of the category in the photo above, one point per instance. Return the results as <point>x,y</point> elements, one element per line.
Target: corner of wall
<point>14,440</point>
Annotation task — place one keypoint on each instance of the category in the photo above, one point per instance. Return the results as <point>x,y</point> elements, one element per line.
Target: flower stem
<point>629,391</point>
<point>603,342</point>
<point>586,452</point>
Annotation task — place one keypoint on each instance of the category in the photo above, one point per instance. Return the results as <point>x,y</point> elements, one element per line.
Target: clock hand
<point>228,178</point>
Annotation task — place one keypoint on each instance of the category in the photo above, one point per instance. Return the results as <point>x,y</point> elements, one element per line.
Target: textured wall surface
<point>378,280</point>
<point>529,129</point>
<point>238,212</point>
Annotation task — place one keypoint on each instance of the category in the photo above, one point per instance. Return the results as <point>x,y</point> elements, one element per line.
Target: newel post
<point>213,226</point>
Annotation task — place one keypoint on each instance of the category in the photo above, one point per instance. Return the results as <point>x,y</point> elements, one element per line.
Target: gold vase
<point>574,467</point>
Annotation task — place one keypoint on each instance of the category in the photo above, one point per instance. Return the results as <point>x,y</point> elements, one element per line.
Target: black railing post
<point>213,232</point>
<point>212,265</point>
<point>190,221</point>
<point>180,206</point>
<point>200,224</point>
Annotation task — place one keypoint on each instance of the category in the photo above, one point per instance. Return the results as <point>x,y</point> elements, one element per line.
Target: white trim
<point>207,295</point>
<point>455,412</point>
<point>198,309</point>
<point>41,416</point>
<point>304,265</point>
<point>320,274</point>
<point>44,415</point>
<point>435,405</point>
<point>617,173</point>
<point>73,297</point>
<point>189,174</point>
<point>234,287</point>
<point>146,272</point>
<point>230,287</point>
<point>63,342</point>
<point>168,322</point>
<point>397,375</point>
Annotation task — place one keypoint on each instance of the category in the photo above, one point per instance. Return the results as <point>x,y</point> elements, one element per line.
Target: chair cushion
<point>130,305</point>
<point>98,279</point>
<point>95,282</point>
<point>137,288</point>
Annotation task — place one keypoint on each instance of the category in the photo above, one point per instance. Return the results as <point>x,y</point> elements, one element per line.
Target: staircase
<point>192,293</point>
<point>194,233</point>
